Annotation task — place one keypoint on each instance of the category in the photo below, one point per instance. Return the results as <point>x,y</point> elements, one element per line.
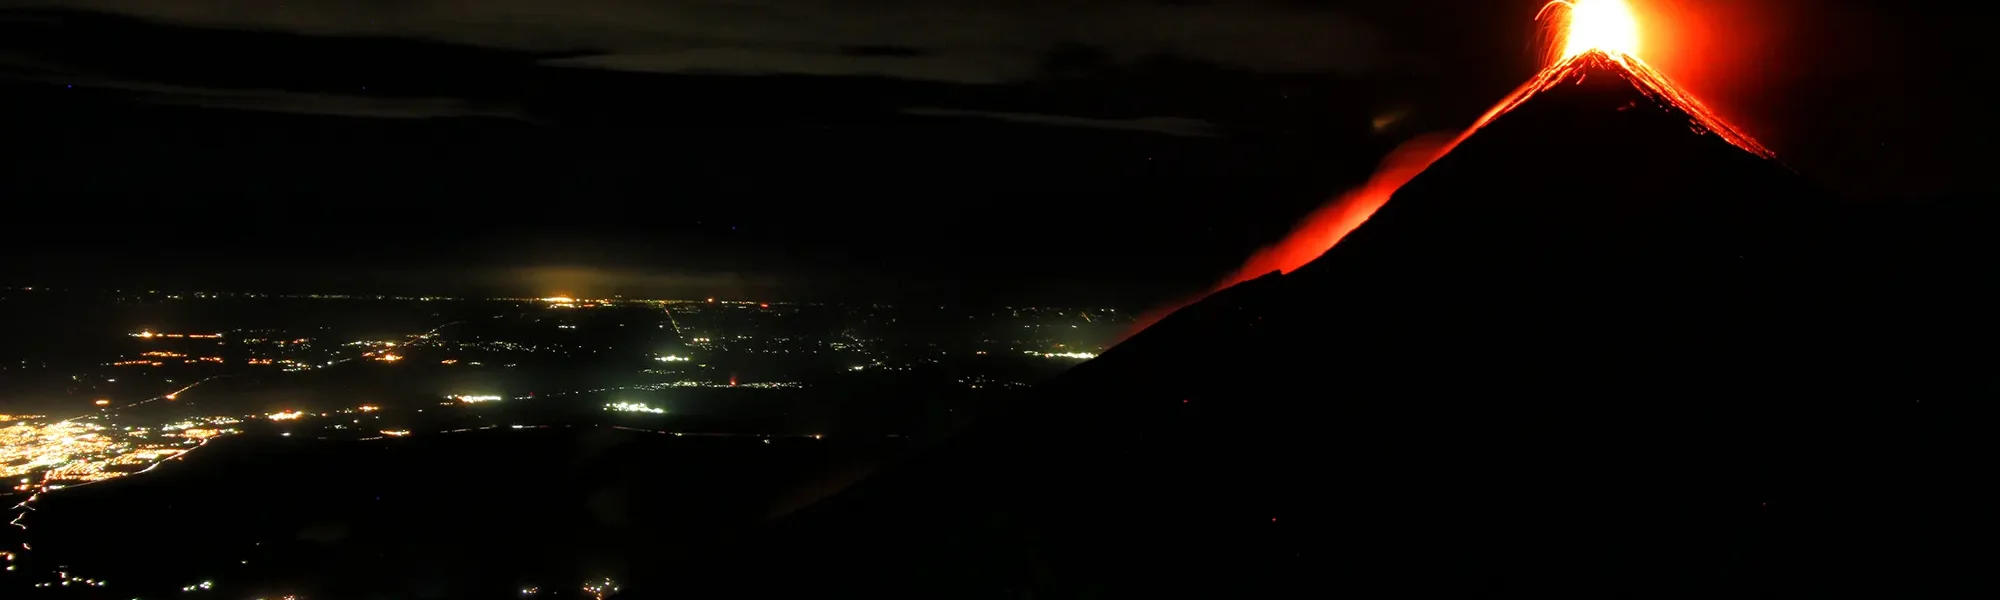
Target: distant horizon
<point>245,293</point>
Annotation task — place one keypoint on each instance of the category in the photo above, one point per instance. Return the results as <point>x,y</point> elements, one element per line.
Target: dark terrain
<point>479,514</point>
<point>1591,353</point>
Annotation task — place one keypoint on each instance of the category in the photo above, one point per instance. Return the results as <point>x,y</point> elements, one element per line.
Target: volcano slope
<point>1600,349</point>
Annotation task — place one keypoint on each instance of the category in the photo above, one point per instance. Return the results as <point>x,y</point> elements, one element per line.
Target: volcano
<point>1605,346</point>
<point>1597,195</point>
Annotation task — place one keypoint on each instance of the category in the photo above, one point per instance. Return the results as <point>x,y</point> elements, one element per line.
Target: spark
<point>1586,25</point>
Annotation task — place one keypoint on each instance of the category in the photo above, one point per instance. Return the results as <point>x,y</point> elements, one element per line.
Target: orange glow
<point>1603,33</point>
<point>1586,25</point>
<point>1647,79</point>
<point>104,403</point>
<point>1324,227</point>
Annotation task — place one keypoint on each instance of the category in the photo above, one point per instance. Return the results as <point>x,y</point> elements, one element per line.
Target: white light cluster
<point>633,407</point>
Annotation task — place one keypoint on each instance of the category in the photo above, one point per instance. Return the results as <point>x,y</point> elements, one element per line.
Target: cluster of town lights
<point>147,335</point>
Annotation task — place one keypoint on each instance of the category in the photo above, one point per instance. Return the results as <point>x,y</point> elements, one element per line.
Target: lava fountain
<point>1586,25</point>
<point>1584,32</point>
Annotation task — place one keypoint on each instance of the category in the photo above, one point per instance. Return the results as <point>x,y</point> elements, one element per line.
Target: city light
<point>205,434</point>
<point>39,456</point>
<point>148,334</point>
<point>601,590</point>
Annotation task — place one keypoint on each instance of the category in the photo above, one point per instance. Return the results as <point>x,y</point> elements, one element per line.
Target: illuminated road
<point>426,336</point>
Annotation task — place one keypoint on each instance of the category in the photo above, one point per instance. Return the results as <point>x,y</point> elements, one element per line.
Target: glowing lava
<point>1589,33</point>
<point>1606,25</point>
<point>1326,225</point>
<point>1604,33</point>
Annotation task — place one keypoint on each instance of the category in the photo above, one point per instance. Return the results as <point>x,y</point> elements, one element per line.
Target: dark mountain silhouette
<point>1604,348</point>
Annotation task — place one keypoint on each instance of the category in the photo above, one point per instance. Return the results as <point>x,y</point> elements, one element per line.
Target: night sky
<point>1070,151</point>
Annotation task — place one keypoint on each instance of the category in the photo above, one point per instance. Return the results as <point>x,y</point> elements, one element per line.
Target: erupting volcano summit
<point>1602,36</point>
<point>1596,226</point>
<point>1559,337</point>
<point>1595,95</point>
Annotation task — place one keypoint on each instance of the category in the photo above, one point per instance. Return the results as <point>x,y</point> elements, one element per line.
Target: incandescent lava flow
<point>1597,38</point>
<point>1588,316</point>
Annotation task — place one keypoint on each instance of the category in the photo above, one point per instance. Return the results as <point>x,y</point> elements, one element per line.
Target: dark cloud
<point>765,61</point>
<point>960,40</point>
<point>879,50</point>
<point>465,58</point>
<point>280,101</point>
<point>1173,126</point>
